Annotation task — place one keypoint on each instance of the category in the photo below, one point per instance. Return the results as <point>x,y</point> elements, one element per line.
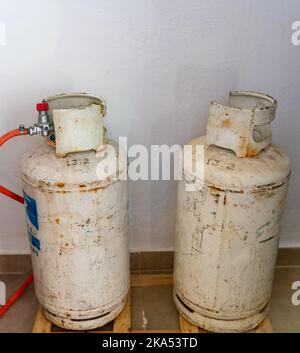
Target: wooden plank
<point>151,280</point>
<point>187,327</point>
<point>155,331</point>
<point>66,331</point>
<point>41,324</point>
<point>122,323</point>
<point>95,331</point>
<point>141,331</point>
<point>264,327</point>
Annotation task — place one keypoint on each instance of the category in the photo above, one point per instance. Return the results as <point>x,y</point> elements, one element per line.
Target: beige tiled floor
<point>153,308</point>
<point>285,317</point>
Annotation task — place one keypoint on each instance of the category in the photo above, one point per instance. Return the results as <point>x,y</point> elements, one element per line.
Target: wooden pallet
<point>187,327</point>
<point>122,323</point>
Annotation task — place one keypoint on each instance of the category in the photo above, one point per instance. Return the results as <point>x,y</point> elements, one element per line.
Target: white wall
<point>157,63</point>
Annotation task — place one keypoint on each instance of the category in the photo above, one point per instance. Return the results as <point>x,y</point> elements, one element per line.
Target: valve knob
<point>42,107</point>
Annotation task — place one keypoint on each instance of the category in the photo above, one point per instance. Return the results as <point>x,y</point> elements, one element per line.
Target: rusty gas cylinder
<point>77,222</point>
<point>228,231</point>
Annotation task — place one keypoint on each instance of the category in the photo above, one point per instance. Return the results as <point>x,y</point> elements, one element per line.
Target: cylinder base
<point>217,325</point>
<point>88,324</point>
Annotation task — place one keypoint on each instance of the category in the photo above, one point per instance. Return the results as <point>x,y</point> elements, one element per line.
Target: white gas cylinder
<point>228,232</point>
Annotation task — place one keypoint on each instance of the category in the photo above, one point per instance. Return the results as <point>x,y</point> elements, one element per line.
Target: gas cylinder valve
<point>43,126</point>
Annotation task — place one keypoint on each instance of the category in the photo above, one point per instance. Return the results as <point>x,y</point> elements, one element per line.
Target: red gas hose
<point>11,134</point>
<point>16,295</point>
<point>11,194</point>
<point>20,199</point>
<point>3,139</point>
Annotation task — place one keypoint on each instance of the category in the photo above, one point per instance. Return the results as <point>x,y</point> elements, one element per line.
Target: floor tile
<point>284,316</point>
<point>153,308</point>
<point>20,317</point>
